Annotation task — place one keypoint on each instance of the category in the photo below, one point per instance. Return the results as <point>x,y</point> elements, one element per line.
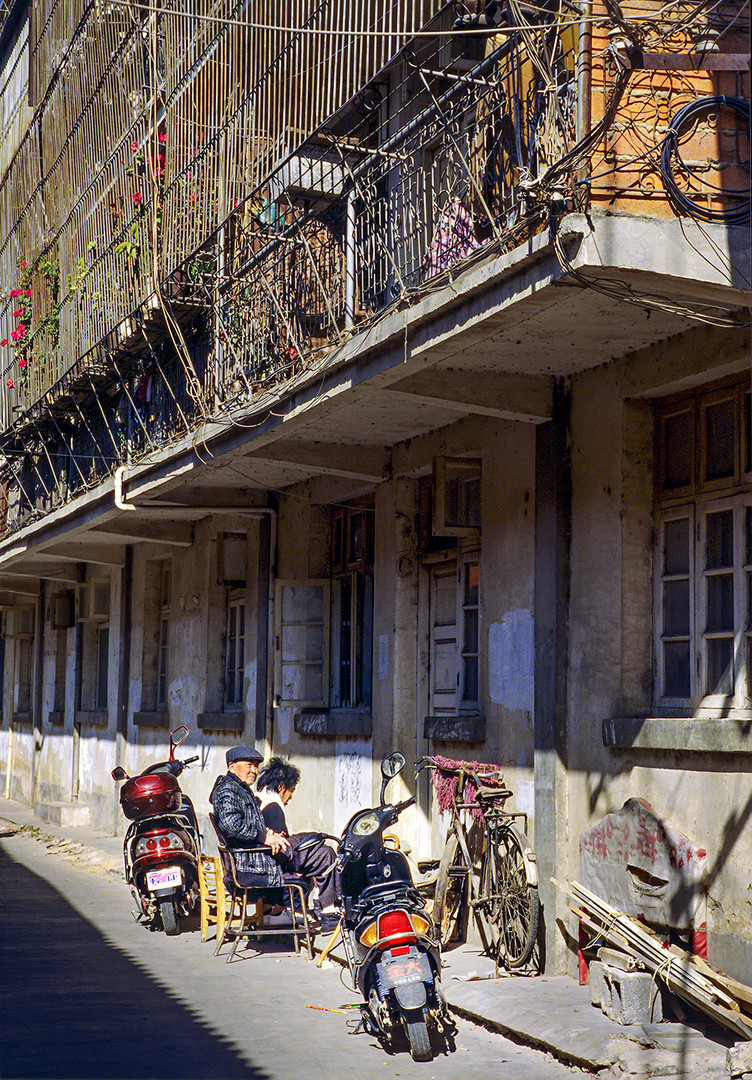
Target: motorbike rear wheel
<point>169,918</point>
<point>416,1030</point>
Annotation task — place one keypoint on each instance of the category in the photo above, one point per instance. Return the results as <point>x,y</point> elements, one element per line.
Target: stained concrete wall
<point>704,795</point>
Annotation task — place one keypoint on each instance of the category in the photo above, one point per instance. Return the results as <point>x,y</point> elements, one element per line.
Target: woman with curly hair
<point>276,785</point>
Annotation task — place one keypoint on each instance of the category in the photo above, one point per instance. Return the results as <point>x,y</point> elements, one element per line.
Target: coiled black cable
<point>681,201</point>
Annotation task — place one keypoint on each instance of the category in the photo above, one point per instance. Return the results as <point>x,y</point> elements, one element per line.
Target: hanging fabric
<point>453,238</point>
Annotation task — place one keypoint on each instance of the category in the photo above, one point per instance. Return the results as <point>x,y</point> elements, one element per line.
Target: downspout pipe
<point>165,508</point>
<point>584,70</point>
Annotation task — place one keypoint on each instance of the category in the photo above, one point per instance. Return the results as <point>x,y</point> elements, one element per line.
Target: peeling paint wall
<point>703,795</point>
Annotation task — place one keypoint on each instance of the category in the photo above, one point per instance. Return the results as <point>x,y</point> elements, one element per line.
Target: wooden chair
<point>246,913</point>
<point>213,895</point>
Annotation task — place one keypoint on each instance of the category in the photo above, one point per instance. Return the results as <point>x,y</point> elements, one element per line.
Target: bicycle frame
<point>502,892</point>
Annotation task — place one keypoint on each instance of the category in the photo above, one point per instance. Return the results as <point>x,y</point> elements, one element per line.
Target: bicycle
<point>502,891</point>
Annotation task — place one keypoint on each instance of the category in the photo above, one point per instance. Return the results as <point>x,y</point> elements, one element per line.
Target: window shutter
<point>301,655</point>
<point>444,643</point>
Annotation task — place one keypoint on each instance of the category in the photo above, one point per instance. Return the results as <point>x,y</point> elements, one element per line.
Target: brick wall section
<point>718,153</point>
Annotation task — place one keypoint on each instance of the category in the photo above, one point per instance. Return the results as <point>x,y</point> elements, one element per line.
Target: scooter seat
<point>382,890</point>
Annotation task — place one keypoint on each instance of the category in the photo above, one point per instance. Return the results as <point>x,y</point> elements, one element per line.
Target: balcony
<point>462,149</point>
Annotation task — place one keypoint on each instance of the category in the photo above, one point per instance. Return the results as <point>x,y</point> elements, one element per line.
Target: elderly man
<point>239,819</point>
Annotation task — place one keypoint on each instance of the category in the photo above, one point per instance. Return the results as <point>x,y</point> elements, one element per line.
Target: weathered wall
<point>704,795</point>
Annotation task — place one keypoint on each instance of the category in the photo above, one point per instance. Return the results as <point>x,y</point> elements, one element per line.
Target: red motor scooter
<point>161,845</point>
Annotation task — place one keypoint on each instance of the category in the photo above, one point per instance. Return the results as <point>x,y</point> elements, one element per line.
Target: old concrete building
<point>383,383</point>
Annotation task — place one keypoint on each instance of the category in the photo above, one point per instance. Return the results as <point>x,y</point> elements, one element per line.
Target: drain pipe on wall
<point>167,508</point>
<point>584,71</point>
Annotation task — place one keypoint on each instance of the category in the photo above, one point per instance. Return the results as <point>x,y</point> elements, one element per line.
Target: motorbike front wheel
<point>417,1035</point>
<point>169,918</point>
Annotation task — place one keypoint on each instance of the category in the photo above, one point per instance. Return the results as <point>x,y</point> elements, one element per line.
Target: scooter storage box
<point>157,793</point>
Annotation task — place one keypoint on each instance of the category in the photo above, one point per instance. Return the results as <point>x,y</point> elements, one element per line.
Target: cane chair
<point>246,912</point>
<point>213,895</point>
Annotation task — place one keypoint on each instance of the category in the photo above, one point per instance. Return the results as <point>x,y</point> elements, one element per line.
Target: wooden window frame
<point>323,629</point>
<point>696,502</point>
<point>235,650</point>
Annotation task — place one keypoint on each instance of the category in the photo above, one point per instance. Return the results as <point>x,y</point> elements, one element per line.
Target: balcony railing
<point>243,267</point>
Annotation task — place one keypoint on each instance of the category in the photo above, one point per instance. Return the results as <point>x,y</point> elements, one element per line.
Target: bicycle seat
<point>493,793</point>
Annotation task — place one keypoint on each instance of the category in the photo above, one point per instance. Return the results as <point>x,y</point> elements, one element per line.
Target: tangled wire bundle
<point>670,155</point>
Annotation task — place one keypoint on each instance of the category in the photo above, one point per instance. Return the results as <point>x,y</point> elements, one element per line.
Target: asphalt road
<point>87,992</point>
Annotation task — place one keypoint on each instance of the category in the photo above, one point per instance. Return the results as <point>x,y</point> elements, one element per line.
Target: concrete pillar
<point>551,597</point>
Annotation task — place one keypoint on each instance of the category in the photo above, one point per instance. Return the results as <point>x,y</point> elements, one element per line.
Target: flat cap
<point>243,753</point>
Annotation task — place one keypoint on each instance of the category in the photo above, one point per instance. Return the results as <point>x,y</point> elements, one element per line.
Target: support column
<point>37,695</point>
<point>553,500</point>
<point>124,631</point>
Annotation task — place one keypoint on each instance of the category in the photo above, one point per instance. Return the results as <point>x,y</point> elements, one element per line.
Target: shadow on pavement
<point>72,1005</point>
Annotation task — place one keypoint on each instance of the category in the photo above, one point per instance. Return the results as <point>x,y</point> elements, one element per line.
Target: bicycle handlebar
<point>428,762</point>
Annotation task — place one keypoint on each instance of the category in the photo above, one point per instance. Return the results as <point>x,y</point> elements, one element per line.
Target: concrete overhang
<point>488,340</point>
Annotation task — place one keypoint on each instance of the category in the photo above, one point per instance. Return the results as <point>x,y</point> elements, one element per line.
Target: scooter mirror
<point>118,773</point>
<point>392,765</point>
<point>177,736</point>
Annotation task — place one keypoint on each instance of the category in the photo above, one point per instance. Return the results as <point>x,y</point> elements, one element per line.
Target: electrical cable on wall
<point>671,160</point>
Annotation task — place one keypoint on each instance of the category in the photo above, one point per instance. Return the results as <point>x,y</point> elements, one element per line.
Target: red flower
<point>24,265</point>
<point>4,342</point>
<point>28,292</point>
<point>17,313</point>
<point>134,146</point>
<point>9,383</point>
<point>20,329</point>
<point>16,292</point>
<point>15,335</point>
<point>137,198</point>
<point>22,363</point>
<point>162,137</point>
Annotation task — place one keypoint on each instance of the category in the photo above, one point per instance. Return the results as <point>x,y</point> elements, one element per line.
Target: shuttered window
<point>301,643</point>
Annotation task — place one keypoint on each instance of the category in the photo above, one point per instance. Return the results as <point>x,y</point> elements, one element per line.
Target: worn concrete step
<point>63,813</point>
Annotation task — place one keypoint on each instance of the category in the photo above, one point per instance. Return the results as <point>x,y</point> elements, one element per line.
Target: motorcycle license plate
<point>163,879</point>
<point>399,970</point>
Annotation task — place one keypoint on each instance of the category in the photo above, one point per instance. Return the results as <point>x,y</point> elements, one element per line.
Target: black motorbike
<point>390,942</point>
<point>161,845</point>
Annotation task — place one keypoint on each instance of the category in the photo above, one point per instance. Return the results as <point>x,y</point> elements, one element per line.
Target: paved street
<point>86,992</point>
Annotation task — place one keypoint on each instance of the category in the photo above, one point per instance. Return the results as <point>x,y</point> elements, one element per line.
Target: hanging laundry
<point>453,238</point>
<point>144,388</point>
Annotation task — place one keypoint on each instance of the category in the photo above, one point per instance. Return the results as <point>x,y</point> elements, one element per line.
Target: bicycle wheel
<point>450,896</point>
<point>508,913</point>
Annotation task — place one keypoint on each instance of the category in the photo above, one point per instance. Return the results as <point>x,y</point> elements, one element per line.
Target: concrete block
<point>626,997</point>
<point>597,984</point>
<point>63,813</point>
<point>739,1060</point>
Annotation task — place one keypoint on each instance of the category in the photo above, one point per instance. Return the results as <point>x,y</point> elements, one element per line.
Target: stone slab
<point>63,813</point>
